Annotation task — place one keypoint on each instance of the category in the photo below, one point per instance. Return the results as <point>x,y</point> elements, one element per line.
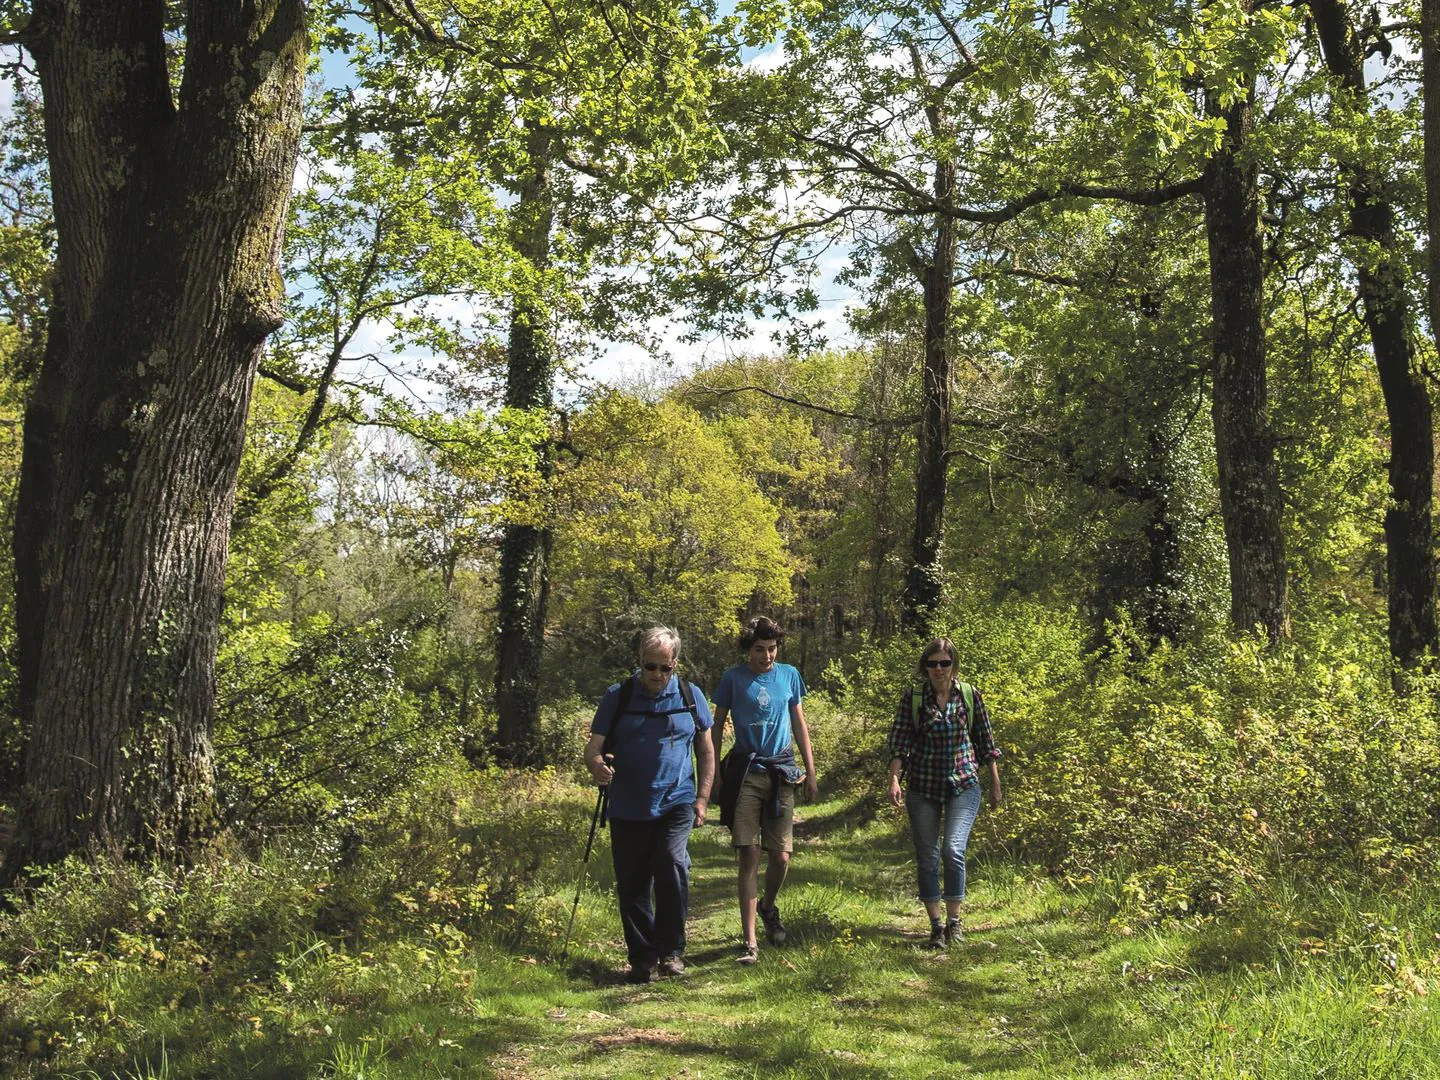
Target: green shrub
<point>387,909</point>
<point>320,725</point>
<point>1182,775</point>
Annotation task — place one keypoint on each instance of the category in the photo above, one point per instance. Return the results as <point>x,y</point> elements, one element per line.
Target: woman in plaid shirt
<point>941,746</point>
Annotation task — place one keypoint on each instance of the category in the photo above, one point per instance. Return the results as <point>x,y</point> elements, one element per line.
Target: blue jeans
<point>925,813</point>
<point>652,859</point>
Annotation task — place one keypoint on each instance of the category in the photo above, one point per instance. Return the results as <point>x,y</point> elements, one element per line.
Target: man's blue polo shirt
<point>652,747</point>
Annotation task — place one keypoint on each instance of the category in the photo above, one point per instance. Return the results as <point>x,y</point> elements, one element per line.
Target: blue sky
<point>627,363</point>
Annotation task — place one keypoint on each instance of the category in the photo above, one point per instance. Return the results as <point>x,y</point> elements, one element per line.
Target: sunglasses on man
<point>663,668</point>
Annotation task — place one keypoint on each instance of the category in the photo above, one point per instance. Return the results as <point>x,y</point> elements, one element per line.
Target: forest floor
<point>1039,987</point>
<point>1303,981</point>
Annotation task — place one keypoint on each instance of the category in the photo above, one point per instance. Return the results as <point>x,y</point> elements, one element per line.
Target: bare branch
<point>954,34</point>
<point>413,19</point>
<point>873,421</point>
<point>290,382</point>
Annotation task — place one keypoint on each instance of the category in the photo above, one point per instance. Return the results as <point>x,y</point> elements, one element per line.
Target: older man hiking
<point>756,789</point>
<point>640,745</point>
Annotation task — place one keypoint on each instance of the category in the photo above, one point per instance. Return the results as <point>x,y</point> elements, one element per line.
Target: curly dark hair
<point>760,628</point>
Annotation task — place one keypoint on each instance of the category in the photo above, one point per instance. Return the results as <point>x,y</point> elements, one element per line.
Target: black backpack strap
<point>627,690</point>
<point>687,695</point>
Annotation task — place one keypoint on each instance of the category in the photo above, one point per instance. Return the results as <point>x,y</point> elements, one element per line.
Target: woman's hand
<point>996,798</point>
<point>894,790</point>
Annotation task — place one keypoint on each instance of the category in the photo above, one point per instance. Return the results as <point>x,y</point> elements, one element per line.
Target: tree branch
<point>873,421</point>
<point>290,382</point>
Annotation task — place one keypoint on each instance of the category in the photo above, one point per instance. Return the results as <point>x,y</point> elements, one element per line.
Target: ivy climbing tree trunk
<point>1381,266</point>
<point>1250,502</point>
<point>168,212</point>
<point>1430,84</point>
<point>923,580</point>
<point>525,547</point>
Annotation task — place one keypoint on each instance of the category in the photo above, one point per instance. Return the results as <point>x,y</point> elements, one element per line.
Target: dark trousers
<point>652,860</point>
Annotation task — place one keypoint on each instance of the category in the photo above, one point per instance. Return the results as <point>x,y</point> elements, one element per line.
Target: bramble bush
<point>293,938</point>
<point>1185,776</point>
<point>319,724</point>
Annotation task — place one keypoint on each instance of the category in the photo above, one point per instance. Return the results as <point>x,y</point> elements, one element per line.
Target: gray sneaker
<point>774,928</point>
<point>953,933</point>
<point>749,954</point>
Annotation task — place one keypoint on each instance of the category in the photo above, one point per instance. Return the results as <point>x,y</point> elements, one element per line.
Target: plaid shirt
<point>939,749</point>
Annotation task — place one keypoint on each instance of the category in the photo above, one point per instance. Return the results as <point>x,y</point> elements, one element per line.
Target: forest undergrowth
<point>1210,862</point>
<point>385,964</point>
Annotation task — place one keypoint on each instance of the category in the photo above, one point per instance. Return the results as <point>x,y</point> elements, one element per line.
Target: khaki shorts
<point>751,828</point>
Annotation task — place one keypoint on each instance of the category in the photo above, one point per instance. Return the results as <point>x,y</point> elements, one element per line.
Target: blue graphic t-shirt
<point>760,707</point>
<point>652,748</point>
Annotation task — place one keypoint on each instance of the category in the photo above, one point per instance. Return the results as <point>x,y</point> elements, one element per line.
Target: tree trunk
<point>923,580</point>
<point>1382,271</point>
<point>168,214</point>
<point>1430,82</point>
<point>524,588</point>
<point>1250,501</point>
<point>1166,609</point>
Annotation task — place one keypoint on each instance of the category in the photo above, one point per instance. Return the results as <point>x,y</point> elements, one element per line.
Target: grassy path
<point>1028,993</point>
<point>1312,982</point>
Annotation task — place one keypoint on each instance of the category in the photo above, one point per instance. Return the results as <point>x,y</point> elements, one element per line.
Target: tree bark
<point>1166,609</point>
<point>168,213</point>
<point>924,579</point>
<point>524,587</point>
<point>1381,270</point>
<point>1430,89</point>
<point>1250,502</point>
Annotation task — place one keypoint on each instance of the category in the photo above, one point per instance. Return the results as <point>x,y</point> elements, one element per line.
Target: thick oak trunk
<point>168,213</point>
<point>524,587</point>
<point>924,579</point>
<point>1382,268</point>
<point>1250,503</point>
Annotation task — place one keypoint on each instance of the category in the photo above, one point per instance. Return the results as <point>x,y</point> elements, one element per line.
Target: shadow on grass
<point>855,993</point>
<point>938,1009</point>
<point>413,1040</point>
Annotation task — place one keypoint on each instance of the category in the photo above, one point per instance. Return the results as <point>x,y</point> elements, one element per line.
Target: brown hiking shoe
<point>774,928</point>
<point>640,974</point>
<point>749,954</point>
<point>938,939</point>
<point>671,965</point>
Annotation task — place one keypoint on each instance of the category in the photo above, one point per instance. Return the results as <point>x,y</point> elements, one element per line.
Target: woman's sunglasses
<point>937,663</point>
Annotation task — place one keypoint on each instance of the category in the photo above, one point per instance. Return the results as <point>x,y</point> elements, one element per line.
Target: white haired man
<point>640,745</point>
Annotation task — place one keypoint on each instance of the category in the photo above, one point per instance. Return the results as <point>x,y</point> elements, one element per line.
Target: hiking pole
<point>600,798</point>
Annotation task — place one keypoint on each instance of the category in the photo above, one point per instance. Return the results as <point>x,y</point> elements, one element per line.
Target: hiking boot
<point>953,932</point>
<point>938,940</point>
<point>671,965</point>
<point>640,974</point>
<point>749,954</point>
<point>774,928</point>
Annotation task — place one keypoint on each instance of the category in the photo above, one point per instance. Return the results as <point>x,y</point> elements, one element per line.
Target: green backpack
<point>967,694</point>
